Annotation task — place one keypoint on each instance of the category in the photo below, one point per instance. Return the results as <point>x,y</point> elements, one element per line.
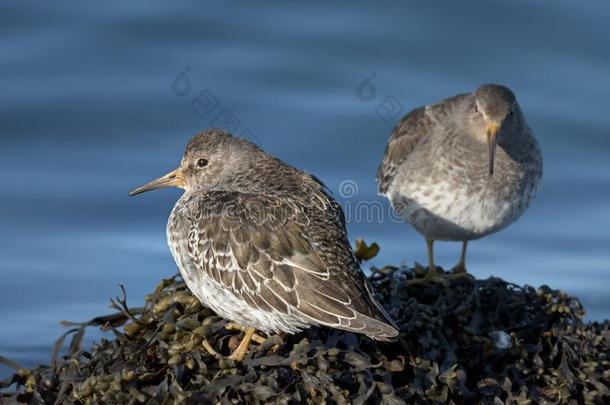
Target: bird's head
<point>208,159</point>
<point>495,113</point>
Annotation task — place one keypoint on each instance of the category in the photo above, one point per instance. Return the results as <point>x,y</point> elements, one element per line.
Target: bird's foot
<point>428,279</point>
<point>430,276</point>
<point>460,275</point>
<point>239,353</point>
<point>249,335</point>
<point>256,338</point>
<point>459,268</point>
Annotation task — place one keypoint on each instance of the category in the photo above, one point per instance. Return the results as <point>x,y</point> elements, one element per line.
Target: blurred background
<point>98,98</point>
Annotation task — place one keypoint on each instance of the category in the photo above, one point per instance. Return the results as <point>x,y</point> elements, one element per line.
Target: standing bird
<point>264,244</point>
<point>463,168</point>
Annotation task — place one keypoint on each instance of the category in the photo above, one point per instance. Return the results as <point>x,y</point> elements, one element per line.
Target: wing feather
<point>274,264</point>
<point>405,137</point>
<point>412,129</point>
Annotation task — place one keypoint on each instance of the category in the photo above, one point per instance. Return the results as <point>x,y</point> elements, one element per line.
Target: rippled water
<point>90,108</point>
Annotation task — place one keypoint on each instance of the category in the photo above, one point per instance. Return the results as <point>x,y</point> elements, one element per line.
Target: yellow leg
<point>240,352</point>
<point>431,275</point>
<point>461,266</point>
<point>431,266</point>
<point>256,338</point>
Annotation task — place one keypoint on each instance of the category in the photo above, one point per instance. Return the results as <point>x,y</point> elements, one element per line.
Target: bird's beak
<point>171,179</point>
<point>492,132</point>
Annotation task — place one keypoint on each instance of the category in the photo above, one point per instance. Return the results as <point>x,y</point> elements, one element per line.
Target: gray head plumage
<point>494,101</point>
<point>495,119</point>
<point>211,157</point>
<point>214,156</point>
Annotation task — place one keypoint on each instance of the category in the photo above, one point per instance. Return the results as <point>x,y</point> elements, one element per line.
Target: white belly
<point>222,301</point>
<point>227,306</point>
<point>446,212</point>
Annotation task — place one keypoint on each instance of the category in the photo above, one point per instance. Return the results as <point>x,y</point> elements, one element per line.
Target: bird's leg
<point>431,276</point>
<point>461,266</point>
<point>240,352</point>
<point>431,266</point>
<point>256,338</point>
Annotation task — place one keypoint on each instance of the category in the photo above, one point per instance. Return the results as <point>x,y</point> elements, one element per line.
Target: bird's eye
<point>510,114</point>
<point>202,163</point>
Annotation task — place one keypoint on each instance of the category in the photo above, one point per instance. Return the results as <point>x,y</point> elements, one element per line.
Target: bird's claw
<point>249,335</point>
<point>460,268</point>
<point>428,278</point>
<point>435,277</point>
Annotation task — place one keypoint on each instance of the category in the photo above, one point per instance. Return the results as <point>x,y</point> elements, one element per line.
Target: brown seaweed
<point>463,341</point>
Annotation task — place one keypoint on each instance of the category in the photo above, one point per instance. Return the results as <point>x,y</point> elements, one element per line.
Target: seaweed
<point>461,341</point>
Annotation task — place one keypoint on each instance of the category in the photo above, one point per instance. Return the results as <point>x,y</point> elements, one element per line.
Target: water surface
<point>90,108</point>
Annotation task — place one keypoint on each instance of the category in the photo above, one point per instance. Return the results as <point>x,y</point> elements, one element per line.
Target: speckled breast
<point>454,210</point>
<point>217,297</point>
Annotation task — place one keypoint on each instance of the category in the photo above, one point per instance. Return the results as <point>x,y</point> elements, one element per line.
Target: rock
<point>463,341</point>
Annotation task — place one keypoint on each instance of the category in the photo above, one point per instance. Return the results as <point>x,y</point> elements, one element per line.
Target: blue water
<point>90,106</point>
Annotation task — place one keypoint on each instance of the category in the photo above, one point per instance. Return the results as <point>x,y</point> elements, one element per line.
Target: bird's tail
<point>382,326</point>
<point>377,329</point>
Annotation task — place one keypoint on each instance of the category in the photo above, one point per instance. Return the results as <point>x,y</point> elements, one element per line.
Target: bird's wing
<point>279,255</point>
<point>412,129</point>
